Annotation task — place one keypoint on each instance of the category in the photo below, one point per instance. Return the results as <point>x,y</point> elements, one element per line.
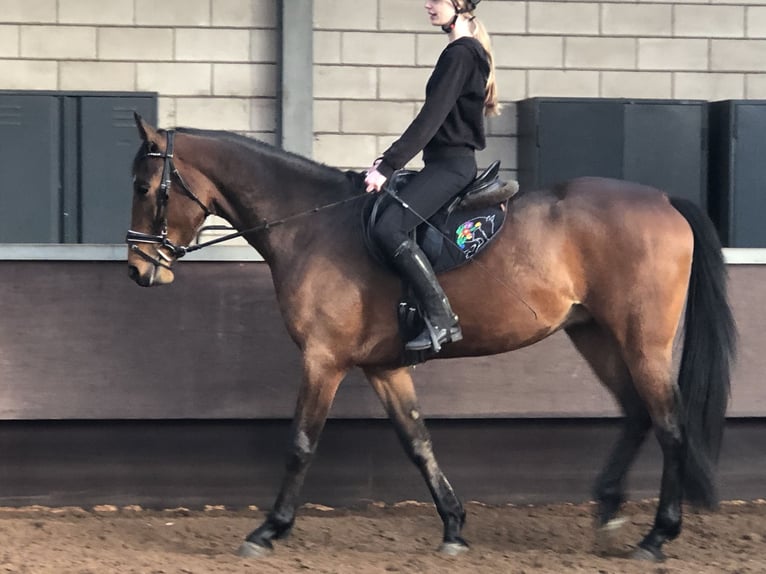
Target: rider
<point>448,129</point>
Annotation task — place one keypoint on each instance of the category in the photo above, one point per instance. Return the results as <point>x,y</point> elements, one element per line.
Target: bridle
<point>133,238</point>
<point>169,170</point>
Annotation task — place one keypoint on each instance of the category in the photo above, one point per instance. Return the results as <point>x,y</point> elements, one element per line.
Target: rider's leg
<point>434,186</point>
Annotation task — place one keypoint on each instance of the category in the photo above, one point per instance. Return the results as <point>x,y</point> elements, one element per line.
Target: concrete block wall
<point>213,62</point>
<point>372,59</point>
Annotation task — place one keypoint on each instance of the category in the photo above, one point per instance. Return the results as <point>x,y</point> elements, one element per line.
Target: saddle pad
<point>458,237</point>
<point>448,239</point>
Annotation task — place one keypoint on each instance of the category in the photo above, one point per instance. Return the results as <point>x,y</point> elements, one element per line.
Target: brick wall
<point>211,61</point>
<point>373,57</point>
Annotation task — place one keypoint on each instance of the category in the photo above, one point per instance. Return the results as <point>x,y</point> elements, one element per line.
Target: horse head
<point>166,213</point>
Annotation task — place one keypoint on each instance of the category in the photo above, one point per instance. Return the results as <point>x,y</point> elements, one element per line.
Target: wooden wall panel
<point>79,340</point>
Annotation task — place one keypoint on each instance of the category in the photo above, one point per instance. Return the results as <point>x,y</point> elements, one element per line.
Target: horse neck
<point>260,184</point>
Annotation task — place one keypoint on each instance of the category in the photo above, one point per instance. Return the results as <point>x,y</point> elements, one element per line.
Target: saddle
<point>460,229</point>
<point>453,236</point>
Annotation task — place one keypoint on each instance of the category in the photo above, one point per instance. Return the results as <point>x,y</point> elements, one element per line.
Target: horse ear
<point>148,133</point>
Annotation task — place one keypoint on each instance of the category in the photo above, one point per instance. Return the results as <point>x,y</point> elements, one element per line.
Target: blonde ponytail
<point>491,104</point>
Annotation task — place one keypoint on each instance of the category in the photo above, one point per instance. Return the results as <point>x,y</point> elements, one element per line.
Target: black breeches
<point>437,183</point>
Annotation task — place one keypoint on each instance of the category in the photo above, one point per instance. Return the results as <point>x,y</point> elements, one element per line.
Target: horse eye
<point>142,189</point>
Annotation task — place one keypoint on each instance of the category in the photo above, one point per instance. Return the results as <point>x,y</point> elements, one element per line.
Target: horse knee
<point>301,452</point>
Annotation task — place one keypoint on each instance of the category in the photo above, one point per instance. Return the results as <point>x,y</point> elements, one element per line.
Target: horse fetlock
<point>608,507</point>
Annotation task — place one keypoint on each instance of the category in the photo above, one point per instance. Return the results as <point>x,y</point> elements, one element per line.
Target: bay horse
<point>612,263</point>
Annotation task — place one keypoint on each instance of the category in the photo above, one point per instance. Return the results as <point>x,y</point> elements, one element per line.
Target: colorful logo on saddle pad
<point>474,233</point>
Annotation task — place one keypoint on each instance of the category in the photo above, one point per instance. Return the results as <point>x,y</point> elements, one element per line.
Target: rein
<point>133,238</point>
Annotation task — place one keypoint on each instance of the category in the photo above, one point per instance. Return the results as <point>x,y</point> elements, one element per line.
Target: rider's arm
<point>444,87</point>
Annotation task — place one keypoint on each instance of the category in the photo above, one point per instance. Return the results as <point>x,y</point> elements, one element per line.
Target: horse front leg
<point>321,380</point>
<point>396,391</point>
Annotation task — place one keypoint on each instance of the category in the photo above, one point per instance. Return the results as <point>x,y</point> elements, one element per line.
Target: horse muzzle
<point>148,270</point>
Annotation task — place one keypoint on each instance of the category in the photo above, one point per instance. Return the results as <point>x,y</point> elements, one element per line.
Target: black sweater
<point>451,121</point>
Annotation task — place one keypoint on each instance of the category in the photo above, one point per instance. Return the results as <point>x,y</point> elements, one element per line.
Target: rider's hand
<point>374,180</point>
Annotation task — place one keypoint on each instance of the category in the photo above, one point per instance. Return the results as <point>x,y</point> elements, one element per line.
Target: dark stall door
<point>29,169</point>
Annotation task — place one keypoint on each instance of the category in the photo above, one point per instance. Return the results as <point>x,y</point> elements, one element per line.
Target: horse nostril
<point>133,272</point>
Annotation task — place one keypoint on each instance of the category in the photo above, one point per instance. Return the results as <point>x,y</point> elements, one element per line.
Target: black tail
<point>709,349</point>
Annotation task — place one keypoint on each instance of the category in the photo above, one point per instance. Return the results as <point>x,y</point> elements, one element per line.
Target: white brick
<point>173,12</point>
<point>756,21</point>
<point>28,11</point>
<point>28,75</point>
<point>263,46</point>
<point>379,48</point>
<point>376,117</point>
<point>404,83</point>
<point>709,21</point>
<point>709,86</point>
<point>244,79</point>
<point>738,2</point>
<point>563,18</point>
<point>245,13</point>
<point>672,54</point>
<point>174,79</point>
<point>326,116</point>
<point>327,47</point>
<point>263,114</point>
<point>557,83</point>
<point>511,84</point>
<point>755,86</point>
<point>212,45</point>
<point>738,55</point>
<point>136,44</point>
<point>428,48</point>
<point>502,148</point>
<point>345,150</point>
<point>9,41</point>
<point>400,15</point>
<point>95,12</point>
<point>600,53</point>
<point>346,14</point>
<point>505,17</point>
<point>505,124</point>
<point>214,113</point>
<point>636,84</point>
<point>529,51</point>
<point>59,42</point>
<point>118,76</point>
<point>166,111</point>
<point>637,19</point>
<point>345,82</point>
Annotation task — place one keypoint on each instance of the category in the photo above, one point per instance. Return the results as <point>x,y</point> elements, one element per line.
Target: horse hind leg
<point>651,370</point>
<point>603,354</point>
<point>397,393</point>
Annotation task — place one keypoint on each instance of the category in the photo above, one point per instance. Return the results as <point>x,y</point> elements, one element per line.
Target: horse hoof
<point>253,550</point>
<point>453,548</point>
<point>647,555</point>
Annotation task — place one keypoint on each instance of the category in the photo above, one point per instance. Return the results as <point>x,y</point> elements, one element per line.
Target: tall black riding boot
<point>441,323</point>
